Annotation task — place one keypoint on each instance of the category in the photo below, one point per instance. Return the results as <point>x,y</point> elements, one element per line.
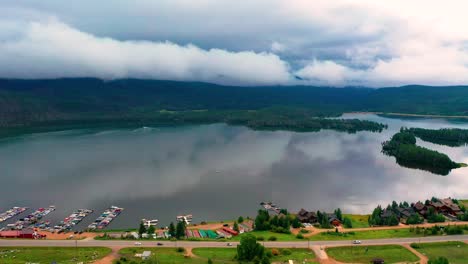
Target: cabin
<point>146,255</point>
<point>333,220</point>
<point>306,217</point>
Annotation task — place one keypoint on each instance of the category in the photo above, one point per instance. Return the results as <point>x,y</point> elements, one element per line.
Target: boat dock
<point>12,213</point>
<point>33,219</point>
<point>105,218</point>
<point>269,206</point>
<point>187,219</point>
<point>147,223</point>
<point>69,222</point>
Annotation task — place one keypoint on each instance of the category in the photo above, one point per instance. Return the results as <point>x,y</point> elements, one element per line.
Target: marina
<point>33,219</point>
<point>69,222</point>
<point>105,218</point>
<point>12,213</point>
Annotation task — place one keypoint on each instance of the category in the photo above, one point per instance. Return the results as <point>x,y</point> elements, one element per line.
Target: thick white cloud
<point>342,42</point>
<point>52,49</point>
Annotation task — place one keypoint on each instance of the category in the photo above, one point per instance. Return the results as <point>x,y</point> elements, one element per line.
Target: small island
<point>403,147</point>
<point>452,137</point>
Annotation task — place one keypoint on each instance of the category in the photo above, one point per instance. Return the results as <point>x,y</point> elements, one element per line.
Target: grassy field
<point>358,221</point>
<point>218,255</point>
<point>371,234</point>
<point>363,254</point>
<point>162,255</point>
<point>455,252</point>
<point>10,255</point>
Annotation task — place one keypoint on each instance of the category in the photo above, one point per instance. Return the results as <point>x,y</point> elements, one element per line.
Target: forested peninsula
<point>403,147</point>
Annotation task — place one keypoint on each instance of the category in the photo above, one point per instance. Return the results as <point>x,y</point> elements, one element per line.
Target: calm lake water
<point>216,172</point>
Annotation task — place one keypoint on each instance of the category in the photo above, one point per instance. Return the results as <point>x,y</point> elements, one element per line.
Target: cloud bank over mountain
<point>260,42</point>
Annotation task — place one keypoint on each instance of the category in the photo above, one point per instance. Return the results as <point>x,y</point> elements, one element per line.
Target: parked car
<point>137,243</point>
<point>229,244</point>
<point>160,244</point>
<point>357,242</point>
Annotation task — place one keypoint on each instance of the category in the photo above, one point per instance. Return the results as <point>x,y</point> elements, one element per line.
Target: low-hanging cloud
<point>259,42</point>
<point>52,49</point>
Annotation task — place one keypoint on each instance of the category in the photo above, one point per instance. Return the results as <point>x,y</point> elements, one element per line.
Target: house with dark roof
<point>307,217</point>
<point>420,208</point>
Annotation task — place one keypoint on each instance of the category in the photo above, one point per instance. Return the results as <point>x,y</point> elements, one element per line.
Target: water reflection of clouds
<point>216,169</point>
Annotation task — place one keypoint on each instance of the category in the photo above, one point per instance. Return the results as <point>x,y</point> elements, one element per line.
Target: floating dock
<point>187,219</point>
<point>147,223</point>
<point>105,218</point>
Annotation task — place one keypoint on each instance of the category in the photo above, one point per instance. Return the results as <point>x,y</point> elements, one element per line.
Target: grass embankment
<point>364,254</point>
<point>371,234</point>
<point>266,235</point>
<point>10,255</point>
<point>217,255</point>
<point>358,221</point>
<point>455,252</point>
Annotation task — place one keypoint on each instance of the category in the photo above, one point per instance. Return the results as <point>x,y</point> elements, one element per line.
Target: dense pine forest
<point>453,137</point>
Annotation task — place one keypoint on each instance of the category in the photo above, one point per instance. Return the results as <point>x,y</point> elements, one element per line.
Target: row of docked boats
<point>14,211</point>
<point>105,218</point>
<point>70,221</point>
<point>33,219</point>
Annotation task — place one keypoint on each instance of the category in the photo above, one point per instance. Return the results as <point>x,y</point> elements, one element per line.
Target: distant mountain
<point>38,102</point>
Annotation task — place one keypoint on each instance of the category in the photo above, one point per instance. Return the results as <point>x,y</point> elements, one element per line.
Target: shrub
<point>180,249</point>
<point>272,238</point>
<point>304,231</point>
<point>285,252</point>
<point>300,236</point>
<point>275,252</point>
<point>415,245</point>
<point>260,238</point>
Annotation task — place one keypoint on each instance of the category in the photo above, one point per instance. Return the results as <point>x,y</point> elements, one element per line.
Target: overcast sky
<point>255,42</point>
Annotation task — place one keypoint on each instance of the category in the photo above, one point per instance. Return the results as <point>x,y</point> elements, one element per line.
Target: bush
<point>260,238</point>
<point>285,252</point>
<point>180,249</point>
<point>415,245</point>
<point>304,231</point>
<point>272,238</point>
<point>275,252</point>
<point>300,236</point>
<point>439,260</point>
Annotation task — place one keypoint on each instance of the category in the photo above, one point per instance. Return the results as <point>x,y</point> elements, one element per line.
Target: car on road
<point>357,242</point>
<point>159,244</point>
<point>229,244</point>
<point>137,243</point>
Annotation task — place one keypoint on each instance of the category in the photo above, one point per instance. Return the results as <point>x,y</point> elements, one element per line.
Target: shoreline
<point>410,115</point>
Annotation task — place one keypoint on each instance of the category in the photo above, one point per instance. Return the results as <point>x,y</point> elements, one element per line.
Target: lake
<point>216,172</point>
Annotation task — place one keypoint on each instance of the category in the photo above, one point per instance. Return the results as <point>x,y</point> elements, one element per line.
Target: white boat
<point>147,223</point>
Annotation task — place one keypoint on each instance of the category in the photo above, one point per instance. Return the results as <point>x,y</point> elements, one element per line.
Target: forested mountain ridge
<point>26,103</point>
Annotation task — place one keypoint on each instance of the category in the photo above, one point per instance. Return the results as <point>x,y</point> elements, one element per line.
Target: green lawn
<point>162,255</point>
<point>267,234</point>
<point>371,234</point>
<point>218,255</point>
<point>10,255</point>
<point>455,252</point>
<point>364,254</point>
<point>358,221</point>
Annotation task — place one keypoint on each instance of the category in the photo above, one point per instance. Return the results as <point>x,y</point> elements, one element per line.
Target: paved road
<point>195,244</point>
